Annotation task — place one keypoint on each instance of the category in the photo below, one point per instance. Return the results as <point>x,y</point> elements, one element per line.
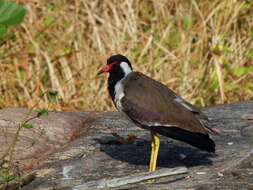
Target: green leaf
<point>187,23</point>
<point>11,14</point>
<point>3,31</point>
<point>214,82</point>
<point>51,7</point>
<point>42,112</point>
<point>27,125</point>
<point>239,71</point>
<point>21,75</point>
<point>53,96</point>
<point>6,176</point>
<point>242,71</point>
<point>49,20</point>
<point>246,6</point>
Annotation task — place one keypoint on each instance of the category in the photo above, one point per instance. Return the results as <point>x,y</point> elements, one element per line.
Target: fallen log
<point>67,150</point>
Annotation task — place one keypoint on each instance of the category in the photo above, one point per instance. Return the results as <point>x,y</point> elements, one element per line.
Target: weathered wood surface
<point>68,150</point>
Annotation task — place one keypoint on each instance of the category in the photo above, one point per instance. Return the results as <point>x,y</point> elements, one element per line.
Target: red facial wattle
<point>107,68</point>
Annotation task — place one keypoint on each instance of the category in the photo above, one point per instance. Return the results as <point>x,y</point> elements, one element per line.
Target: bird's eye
<point>114,63</point>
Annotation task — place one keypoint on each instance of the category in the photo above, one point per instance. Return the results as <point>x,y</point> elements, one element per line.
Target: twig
<point>116,182</point>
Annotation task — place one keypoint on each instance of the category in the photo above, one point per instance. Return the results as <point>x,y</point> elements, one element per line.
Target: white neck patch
<point>119,89</point>
<point>126,68</point>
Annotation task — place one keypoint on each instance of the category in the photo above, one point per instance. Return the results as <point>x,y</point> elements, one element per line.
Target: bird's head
<point>117,65</point>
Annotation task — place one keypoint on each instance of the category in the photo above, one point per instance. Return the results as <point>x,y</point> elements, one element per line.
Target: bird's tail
<point>199,140</point>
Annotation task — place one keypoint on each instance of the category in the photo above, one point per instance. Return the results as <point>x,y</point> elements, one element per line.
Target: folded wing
<point>153,106</point>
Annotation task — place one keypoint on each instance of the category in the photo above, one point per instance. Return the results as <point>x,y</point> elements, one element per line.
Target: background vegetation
<point>202,49</point>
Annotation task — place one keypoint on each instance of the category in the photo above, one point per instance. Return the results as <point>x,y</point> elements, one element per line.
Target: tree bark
<point>68,150</point>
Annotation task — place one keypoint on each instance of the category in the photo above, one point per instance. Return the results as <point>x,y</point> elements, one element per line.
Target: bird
<point>151,105</point>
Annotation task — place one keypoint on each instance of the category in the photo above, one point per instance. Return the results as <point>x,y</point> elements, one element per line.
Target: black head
<point>118,67</point>
<point>118,59</point>
<point>117,64</point>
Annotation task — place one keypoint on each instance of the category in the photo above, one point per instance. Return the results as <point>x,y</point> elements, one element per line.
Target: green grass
<point>200,49</point>
<point>6,176</point>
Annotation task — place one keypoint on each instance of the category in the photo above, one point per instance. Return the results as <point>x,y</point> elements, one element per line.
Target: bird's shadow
<point>170,154</point>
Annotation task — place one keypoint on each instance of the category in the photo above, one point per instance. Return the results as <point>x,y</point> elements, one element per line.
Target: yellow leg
<point>155,144</point>
<point>152,153</point>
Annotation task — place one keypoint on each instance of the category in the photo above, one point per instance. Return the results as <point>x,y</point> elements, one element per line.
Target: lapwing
<point>153,106</point>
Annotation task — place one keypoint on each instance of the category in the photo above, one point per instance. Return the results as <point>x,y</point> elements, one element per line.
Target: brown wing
<point>151,103</point>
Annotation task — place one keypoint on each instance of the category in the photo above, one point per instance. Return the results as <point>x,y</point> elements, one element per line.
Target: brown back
<point>149,102</point>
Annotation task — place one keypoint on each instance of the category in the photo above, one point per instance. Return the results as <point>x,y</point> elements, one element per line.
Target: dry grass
<point>201,49</point>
